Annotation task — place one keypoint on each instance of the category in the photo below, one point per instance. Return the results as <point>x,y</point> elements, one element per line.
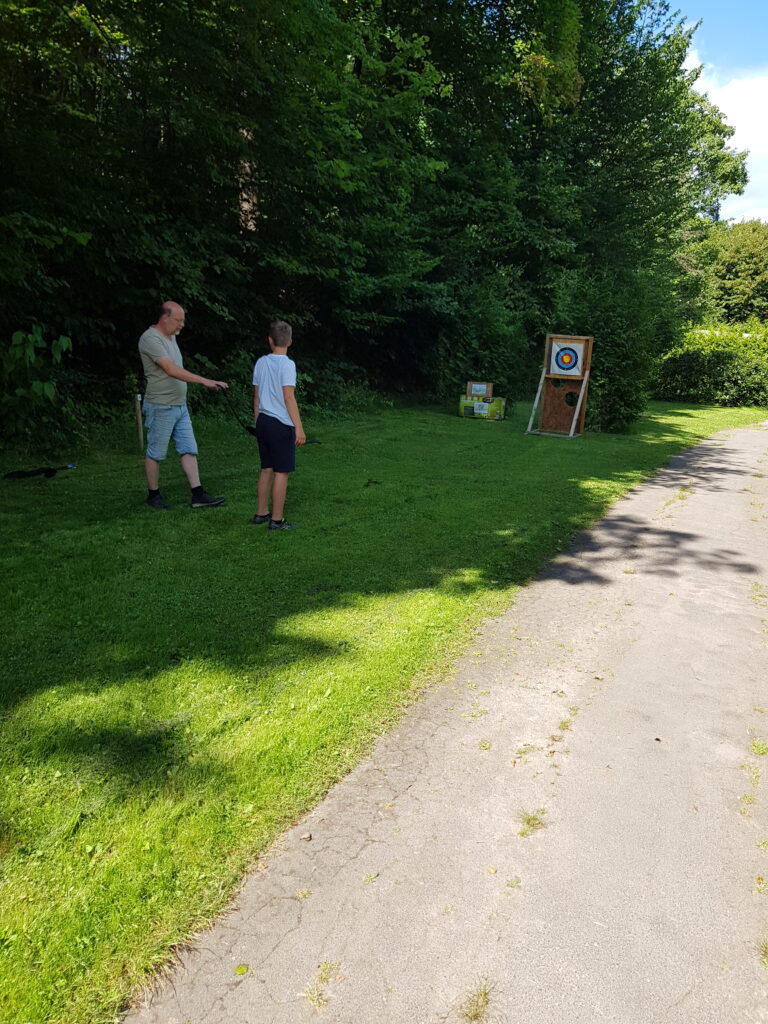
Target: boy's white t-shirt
<point>270,375</point>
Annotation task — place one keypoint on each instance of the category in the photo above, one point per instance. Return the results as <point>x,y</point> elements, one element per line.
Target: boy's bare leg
<point>279,487</point>
<point>263,488</point>
<point>189,465</point>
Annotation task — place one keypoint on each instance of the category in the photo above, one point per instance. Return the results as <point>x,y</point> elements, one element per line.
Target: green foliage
<point>330,387</point>
<point>641,170</point>
<point>724,272</point>
<point>424,190</point>
<point>716,170</point>
<point>740,271</point>
<point>335,389</point>
<point>727,365</point>
<point>28,388</point>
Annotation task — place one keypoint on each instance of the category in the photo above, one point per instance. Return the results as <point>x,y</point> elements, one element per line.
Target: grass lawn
<point>179,686</point>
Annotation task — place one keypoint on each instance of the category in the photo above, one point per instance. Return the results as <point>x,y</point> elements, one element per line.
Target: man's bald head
<point>170,318</point>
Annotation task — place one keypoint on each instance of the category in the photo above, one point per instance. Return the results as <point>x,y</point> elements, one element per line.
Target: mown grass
<point>178,687</point>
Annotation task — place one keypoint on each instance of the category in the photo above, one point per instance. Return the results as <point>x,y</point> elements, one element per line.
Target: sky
<point>732,45</point>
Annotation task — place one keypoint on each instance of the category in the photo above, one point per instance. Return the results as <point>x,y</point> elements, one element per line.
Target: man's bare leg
<point>262,491</point>
<point>152,469</point>
<point>189,465</point>
<point>279,487</point>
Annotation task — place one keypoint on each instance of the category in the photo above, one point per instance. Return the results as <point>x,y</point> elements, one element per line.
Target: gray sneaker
<point>205,500</point>
<point>258,520</point>
<point>283,524</point>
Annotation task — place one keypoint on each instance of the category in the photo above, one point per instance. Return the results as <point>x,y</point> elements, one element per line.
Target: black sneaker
<point>282,524</point>
<point>258,520</point>
<point>205,500</point>
<point>157,501</point>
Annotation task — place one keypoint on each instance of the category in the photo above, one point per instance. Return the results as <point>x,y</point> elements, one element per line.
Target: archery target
<point>567,358</point>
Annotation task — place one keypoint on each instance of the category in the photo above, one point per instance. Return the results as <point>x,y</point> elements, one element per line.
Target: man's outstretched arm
<point>168,366</point>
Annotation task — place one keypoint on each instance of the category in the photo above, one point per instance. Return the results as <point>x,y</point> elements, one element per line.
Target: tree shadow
<point>666,552</point>
<point>442,505</point>
<point>708,466</point>
<point>406,513</point>
<point>107,605</point>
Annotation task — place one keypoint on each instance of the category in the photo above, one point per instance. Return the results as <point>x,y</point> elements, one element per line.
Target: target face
<point>566,359</point>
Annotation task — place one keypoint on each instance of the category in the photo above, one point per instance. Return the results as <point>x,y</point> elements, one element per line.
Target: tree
<point>740,271</point>
<point>425,190</point>
<point>643,171</point>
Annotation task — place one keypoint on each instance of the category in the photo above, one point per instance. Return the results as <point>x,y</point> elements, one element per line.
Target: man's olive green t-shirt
<point>161,389</point>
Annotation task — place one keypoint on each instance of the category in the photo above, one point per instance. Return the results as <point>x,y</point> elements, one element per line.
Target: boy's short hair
<point>280,332</point>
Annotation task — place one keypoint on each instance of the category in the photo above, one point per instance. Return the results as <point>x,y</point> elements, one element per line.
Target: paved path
<point>618,699</point>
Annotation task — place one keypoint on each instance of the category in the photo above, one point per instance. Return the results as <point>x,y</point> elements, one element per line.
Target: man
<point>278,425</point>
<point>165,408</point>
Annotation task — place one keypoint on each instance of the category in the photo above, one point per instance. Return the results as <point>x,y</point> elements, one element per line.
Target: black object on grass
<point>47,471</point>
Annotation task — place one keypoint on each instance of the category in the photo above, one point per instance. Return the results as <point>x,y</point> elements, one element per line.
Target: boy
<point>278,425</point>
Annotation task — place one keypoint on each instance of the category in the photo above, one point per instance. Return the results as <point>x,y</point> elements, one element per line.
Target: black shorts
<point>277,444</point>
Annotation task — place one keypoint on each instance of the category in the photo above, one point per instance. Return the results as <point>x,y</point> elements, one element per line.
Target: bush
<point>723,365</point>
<point>31,403</point>
<point>620,309</point>
<point>333,388</point>
<point>50,401</point>
<point>617,385</point>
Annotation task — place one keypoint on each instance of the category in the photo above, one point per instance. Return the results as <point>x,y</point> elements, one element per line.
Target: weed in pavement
<point>474,1009</point>
<point>532,821</point>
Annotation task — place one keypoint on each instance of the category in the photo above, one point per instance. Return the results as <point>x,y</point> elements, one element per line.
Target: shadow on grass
<point>104,594</point>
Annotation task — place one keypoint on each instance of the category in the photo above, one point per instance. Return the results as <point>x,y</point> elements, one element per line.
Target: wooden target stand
<point>563,384</point>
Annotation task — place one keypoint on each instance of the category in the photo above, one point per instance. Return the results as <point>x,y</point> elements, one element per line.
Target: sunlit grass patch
<point>179,687</point>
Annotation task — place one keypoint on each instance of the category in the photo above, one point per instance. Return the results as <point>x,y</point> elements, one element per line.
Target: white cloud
<point>743,99</point>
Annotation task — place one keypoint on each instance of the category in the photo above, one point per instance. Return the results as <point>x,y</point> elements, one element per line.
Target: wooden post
<point>139,423</point>
<point>577,410</point>
<point>536,400</point>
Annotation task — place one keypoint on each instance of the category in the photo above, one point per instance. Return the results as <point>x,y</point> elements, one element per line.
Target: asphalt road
<point>615,713</point>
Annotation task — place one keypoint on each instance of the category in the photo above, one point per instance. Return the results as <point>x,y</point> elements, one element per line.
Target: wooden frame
<point>555,418</point>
